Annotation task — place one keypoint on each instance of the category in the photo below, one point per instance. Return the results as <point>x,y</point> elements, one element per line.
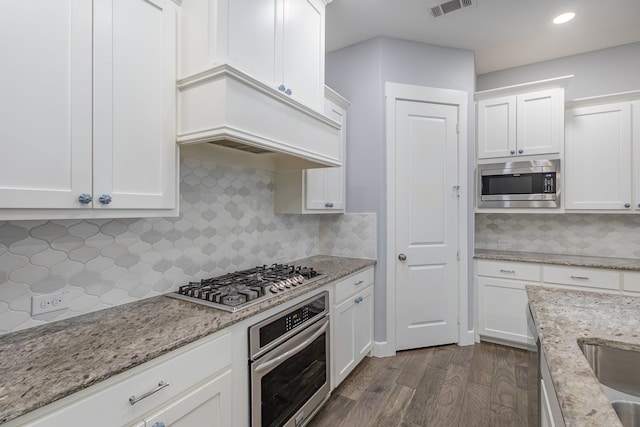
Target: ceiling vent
<point>443,8</point>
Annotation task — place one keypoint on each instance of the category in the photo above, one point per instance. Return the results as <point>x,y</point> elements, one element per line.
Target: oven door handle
<point>271,362</point>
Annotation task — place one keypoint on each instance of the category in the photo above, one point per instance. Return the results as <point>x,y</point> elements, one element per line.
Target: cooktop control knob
<point>274,289</point>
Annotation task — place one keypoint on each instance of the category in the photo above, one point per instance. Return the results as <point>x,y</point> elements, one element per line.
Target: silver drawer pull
<point>580,277</point>
<point>133,400</point>
<point>507,271</point>
<point>359,282</point>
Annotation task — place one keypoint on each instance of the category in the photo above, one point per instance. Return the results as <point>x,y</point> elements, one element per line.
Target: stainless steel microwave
<point>530,184</point>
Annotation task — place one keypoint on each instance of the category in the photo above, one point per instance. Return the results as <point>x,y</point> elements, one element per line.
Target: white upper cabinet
<point>134,146</point>
<point>251,78</point>
<point>278,42</point>
<point>303,51</point>
<point>88,108</point>
<point>540,127</point>
<point>45,107</point>
<point>598,159</point>
<point>320,190</point>
<point>521,121</point>
<point>497,127</point>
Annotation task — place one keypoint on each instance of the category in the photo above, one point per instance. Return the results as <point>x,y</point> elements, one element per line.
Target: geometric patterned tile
<point>226,223</point>
<point>604,235</point>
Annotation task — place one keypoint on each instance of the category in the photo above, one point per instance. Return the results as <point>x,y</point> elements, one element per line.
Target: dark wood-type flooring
<point>479,385</point>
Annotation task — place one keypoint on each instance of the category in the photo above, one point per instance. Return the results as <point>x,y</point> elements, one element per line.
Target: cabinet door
<point>206,405</point>
<point>364,324</point>
<point>502,306</point>
<point>540,124</point>
<point>344,340</point>
<point>598,157</point>
<point>325,187</point>
<point>45,82</point>
<point>134,104</point>
<point>353,333</point>
<point>635,125</point>
<point>497,127</point>
<point>335,178</point>
<point>551,414</point>
<point>303,51</point>
<point>252,41</point>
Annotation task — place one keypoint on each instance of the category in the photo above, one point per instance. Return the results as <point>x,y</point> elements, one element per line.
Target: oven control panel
<point>282,325</point>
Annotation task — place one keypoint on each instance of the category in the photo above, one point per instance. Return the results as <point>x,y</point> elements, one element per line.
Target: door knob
<point>402,257</point>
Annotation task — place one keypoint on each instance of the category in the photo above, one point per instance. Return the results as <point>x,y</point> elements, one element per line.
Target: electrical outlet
<point>51,302</point>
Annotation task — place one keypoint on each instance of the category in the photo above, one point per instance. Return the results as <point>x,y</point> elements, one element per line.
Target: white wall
<point>595,73</point>
<point>359,72</point>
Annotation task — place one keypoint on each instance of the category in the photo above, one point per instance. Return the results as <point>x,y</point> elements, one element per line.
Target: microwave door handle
<point>271,362</point>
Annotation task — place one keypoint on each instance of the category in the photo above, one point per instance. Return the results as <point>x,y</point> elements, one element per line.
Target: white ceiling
<point>502,33</point>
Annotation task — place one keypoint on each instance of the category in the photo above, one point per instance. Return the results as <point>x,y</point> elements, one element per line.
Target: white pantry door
<point>426,224</point>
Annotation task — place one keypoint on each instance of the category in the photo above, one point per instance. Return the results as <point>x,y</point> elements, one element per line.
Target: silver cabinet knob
<point>520,151</point>
<point>281,88</point>
<point>639,205</point>
<point>328,205</point>
<point>159,424</point>
<point>402,257</point>
<point>105,199</point>
<point>627,205</point>
<point>359,300</point>
<point>513,151</point>
<point>85,198</point>
<point>288,92</point>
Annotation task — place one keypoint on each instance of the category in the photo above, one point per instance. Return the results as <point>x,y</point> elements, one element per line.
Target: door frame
<point>458,98</point>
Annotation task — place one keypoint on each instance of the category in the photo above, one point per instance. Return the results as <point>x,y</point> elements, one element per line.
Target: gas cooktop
<point>242,289</point>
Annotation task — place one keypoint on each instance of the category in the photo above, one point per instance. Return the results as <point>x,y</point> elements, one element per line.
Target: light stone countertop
<point>563,317</point>
<point>559,259</point>
<point>46,363</point>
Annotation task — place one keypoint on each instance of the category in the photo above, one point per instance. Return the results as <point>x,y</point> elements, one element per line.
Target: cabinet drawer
<point>579,276</point>
<point>107,403</point>
<point>509,270</point>
<point>352,284</point>
<point>631,282</point>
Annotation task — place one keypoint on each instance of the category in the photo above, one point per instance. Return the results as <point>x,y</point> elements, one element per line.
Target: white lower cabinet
<point>581,278</point>
<point>502,294</point>
<point>502,306</point>
<point>188,387</point>
<point>208,404</point>
<point>502,299</point>
<point>352,323</point>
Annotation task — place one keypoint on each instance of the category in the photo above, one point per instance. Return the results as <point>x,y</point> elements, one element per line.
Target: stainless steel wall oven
<point>289,364</point>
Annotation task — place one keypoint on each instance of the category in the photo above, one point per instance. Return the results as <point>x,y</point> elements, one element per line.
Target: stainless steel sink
<point>628,412</point>
<point>618,371</point>
<point>614,367</point>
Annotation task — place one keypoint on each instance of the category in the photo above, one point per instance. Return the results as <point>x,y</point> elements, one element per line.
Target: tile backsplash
<point>602,235</point>
<point>226,223</point>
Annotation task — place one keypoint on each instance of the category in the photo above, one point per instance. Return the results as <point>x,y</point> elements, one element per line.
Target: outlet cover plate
<point>41,304</point>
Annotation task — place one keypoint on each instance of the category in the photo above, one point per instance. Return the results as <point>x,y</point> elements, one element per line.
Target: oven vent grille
<point>443,8</point>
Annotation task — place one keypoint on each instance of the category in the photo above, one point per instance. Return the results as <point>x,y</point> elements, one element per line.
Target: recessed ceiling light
<point>565,17</point>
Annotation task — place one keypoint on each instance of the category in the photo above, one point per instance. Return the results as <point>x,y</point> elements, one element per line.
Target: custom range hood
<point>229,108</point>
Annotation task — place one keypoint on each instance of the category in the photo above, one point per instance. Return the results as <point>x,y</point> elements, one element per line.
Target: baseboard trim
<point>467,338</point>
<point>382,349</point>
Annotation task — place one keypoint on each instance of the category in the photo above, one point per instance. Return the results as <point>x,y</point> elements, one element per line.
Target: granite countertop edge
<point>46,363</point>
<point>563,319</point>
<point>628,264</point>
